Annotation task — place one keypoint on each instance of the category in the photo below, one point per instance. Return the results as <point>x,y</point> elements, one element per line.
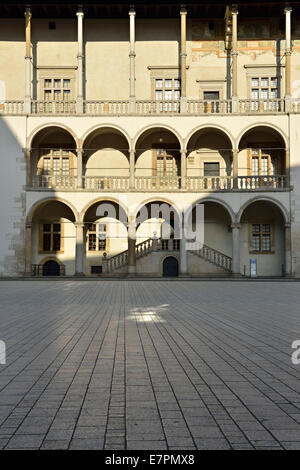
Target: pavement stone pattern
<point>155,365</point>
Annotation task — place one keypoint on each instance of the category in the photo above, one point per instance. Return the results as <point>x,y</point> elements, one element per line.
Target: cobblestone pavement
<point>149,365</point>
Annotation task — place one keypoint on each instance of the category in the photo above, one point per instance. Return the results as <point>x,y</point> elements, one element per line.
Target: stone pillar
<point>183,104</point>
<point>183,252</point>
<point>235,167</point>
<point>288,52</point>
<point>183,169</point>
<point>80,249</point>
<point>234,54</point>
<point>28,249</point>
<point>79,100</point>
<point>27,155</point>
<point>131,246</point>
<point>132,59</point>
<point>79,167</point>
<point>236,269</point>
<point>28,59</point>
<point>288,250</point>
<point>132,169</point>
<point>287,167</point>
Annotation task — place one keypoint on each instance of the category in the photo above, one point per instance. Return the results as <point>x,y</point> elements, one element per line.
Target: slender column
<point>27,153</point>
<point>288,52</point>
<point>131,246</point>
<point>288,250</point>
<point>183,56</point>
<point>28,58</point>
<point>287,167</point>
<point>80,249</point>
<point>183,252</point>
<point>79,167</point>
<point>183,169</point>
<point>132,169</point>
<point>236,269</point>
<point>235,167</point>
<point>132,59</point>
<point>79,101</point>
<point>234,54</point>
<point>28,249</point>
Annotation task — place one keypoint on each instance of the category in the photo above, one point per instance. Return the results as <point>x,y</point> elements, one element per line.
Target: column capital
<point>80,11</point>
<point>27,13</point>
<point>235,225</point>
<point>79,225</point>
<point>234,9</point>
<point>287,225</point>
<point>287,9</point>
<point>183,10</point>
<point>132,11</point>
<point>28,225</point>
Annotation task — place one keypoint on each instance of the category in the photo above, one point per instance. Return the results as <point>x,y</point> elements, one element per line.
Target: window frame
<point>96,233</point>
<point>261,232</point>
<point>51,232</point>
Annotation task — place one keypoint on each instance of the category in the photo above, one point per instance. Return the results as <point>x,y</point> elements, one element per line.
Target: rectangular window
<point>264,162</point>
<point>96,236</point>
<point>261,236</point>
<point>211,169</point>
<point>57,89</point>
<point>165,163</point>
<point>263,88</point>
<point>51,237</point>
<point>168,91</point>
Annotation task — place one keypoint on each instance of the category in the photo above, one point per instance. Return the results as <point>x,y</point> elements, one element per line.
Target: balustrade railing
<point>145,107</point>
<point>157,183</point>
<point>262,182</point>
<point>114,107</point>
<point>210,183</point>
<point>261,106</point>
<point>106,183</point>
<point>54,181</point>
<point>209,106</point>
<point>53,107</point>
<point>12,107</point>
<point>44,270</point>
<point>213,256</point>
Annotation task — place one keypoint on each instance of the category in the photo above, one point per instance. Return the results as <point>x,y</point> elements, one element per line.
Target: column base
<point>131,271</point>
<point>79,275</point>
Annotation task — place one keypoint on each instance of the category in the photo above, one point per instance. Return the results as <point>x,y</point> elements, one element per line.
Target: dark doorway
<point>170,267</point>
<point>51,268</point>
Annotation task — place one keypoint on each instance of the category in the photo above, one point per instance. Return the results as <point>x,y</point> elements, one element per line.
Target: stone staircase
<point>151,245</point>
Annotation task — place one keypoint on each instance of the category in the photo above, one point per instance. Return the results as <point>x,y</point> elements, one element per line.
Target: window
<point>57,89</point>
<point>261,237</point>
<point>212,169</point>
<point>168,91</point>
<point>263,88</point>
<point>164,163</point>
<point>264,162</point>
<point>97,240</point>
<point>56,165</point>
<point>51,237</point>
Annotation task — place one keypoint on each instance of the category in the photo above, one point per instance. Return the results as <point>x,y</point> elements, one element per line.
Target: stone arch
<point>222,203</point>
<point>209,126</point>
<point>267,199</point>
<point>115,127</point>
<point>37,204</point>
<point>154,127</point>
<point>102,200</point>
<point>42,127</point>
<point>258,125</point>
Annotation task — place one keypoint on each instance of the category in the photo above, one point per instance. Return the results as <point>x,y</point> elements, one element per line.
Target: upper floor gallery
<point>119,59</point>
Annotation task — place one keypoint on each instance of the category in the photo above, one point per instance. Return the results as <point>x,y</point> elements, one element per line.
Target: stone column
<point>183,106</point>
<point>287,167</point>
<point>79,100</point>
<point>183,169</point>
<point>27,155</point>
<point>79,167</point>
<point>131,246</point>
<point>288,52</point>
<point>234,54</point>
<point>183,252</point>
<point>28,59</point>
<point>236,269</point>
<point>288,250</point>
<point>132,59</point>
<point>28,249</point>
<point>80,249</point>
<point>132,169</point>
<point>235,167</point>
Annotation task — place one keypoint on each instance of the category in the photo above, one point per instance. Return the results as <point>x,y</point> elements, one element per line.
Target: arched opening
<point>209,160</point>
<point>51,268</point>
<point>53,161</point>
<point>262,159</point>
<point>170,267</point>
<point>106,160</point>
<point>53,235</point>
<point>262,238</point>
<point>105,235</point>
<point>157,160</point>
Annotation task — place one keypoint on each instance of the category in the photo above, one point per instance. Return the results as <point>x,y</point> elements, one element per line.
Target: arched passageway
<point>170,267</point>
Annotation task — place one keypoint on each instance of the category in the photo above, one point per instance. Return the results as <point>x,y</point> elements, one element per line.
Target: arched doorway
<point>170,267</point>
<point>51,268</point>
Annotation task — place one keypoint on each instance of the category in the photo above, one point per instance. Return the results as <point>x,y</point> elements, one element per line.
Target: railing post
<point>236,249</point>
<point>183,169</point>
<point>182,250</point>
<point>80,249</point>
<point>183,55</point>
<point>28,248</point>
<point>28,58</point>
<point>132,55</point>
<point>131,245</point>
<point>79,101</point>
<point>288,249</point>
